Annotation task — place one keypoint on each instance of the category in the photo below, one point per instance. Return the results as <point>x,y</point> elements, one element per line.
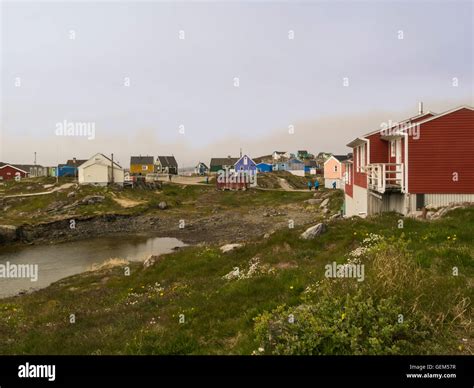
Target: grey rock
<point>324,203</point>
<point>314,231</point>
<point>162,205</point>
<point>313,201</point>
<point>92,199</point>
<point>151,260</point>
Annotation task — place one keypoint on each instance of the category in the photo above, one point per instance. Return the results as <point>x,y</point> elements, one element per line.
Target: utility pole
<point>112,178</point>
<point>35,158</point>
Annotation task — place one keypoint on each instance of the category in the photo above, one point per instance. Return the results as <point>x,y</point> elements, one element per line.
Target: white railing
<point>385,176</point>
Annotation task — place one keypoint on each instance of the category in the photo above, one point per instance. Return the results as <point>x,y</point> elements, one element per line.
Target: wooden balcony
<point>385,177</point>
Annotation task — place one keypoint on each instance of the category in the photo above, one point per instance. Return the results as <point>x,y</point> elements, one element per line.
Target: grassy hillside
<point>191,199</point>
<point>409,302</point>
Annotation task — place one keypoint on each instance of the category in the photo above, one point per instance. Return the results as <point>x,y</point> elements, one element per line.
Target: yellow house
<point>142,165</point>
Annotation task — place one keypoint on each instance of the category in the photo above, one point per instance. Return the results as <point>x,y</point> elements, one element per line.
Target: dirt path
<point>188,180</point>
<point>286,186</point>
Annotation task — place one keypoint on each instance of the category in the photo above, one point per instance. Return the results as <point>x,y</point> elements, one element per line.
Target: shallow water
<point>58,261</point>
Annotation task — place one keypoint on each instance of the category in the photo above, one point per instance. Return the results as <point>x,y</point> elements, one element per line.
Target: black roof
<point>168,161</point>
<point>141,160</point>
<point>341,158</point>
<point>223,161</point>
<point>70,162</point>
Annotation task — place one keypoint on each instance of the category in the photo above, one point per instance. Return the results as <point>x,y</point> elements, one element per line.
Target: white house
<point>100,170</point>
<point>278,155</point>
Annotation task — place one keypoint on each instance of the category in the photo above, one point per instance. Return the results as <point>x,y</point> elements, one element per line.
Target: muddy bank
<point>221,228</point>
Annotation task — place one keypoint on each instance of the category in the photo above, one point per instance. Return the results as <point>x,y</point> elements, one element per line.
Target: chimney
<point>420,108</point>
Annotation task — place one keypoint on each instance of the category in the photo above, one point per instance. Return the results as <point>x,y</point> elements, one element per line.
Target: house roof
<point>26,167</point>
<point>204,164</point>
<point>70,162</point>
<point>311,163</point>
<point>168,161</point>
<point>295,160</point>
<point>249,158</point>
<point>99,154</point>
<point>280,152</point>
<point>15,166</point>
<point>341,158</point>
<point>223,161</point>
<point>141,160</point>
<point>418,120</point>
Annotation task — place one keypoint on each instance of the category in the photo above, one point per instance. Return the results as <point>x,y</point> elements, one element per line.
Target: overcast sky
<point>190,81</point>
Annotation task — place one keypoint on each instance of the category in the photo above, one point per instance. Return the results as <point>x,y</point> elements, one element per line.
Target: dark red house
<point>8,172</point>
<point>422,161</point>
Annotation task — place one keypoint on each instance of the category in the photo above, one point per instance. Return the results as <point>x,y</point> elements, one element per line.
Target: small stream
<point>49,263</point>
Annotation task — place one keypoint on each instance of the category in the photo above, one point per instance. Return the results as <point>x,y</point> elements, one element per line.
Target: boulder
<point>314,231</point>
<point>72,194</point>
<point>92,199</point>
<point>8,233</point>
<point>325,203</point>
<point>313,201</point>
<point>162,205</point>
<point>152,259</point>
<point>335,216</point>
<point>229,247</point>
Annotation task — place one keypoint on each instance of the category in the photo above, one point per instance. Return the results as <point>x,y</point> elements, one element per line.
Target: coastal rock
<point>229,247</point>
<point>152,259</point>
<point>314,231</point>
<point>325,203</point>
<point>92,200</point>
<point>8,233</point>
<point>313,201</point>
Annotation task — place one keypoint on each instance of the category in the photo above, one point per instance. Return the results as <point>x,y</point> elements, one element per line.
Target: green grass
<point>114,312</point>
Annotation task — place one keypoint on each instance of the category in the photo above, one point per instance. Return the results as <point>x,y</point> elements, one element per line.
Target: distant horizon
<point>202,80</point>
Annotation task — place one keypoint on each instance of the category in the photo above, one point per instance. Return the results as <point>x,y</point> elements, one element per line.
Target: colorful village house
<point>264,167</point>
<point>334,171</point>
<point>10,171</point>
<point>142,165</point>
<point>70,168</point>
<point>201,169</point>
<point>296,167</point>
<point>398,167</point>
<point>218,164</point>
<point>166,165</point>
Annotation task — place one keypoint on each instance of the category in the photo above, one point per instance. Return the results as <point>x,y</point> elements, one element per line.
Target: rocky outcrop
<point>151,260</point>
<point>8,233</point>
<point>229,247</point>
<point>314,231</point>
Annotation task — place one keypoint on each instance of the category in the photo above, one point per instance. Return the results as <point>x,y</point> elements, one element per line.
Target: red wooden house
<point>9,171</point>
<point>403,167</point>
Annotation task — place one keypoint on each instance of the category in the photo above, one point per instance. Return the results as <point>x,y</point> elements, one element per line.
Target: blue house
<point>70,168</point>
<point>280,166</point>
<point>245,164</point>
<point>264,167</point>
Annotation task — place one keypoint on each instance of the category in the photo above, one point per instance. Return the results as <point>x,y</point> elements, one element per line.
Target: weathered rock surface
<point>230,247</point>
<point>314,231</point>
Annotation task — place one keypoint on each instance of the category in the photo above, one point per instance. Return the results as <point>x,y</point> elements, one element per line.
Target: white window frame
<point>392,149</point>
